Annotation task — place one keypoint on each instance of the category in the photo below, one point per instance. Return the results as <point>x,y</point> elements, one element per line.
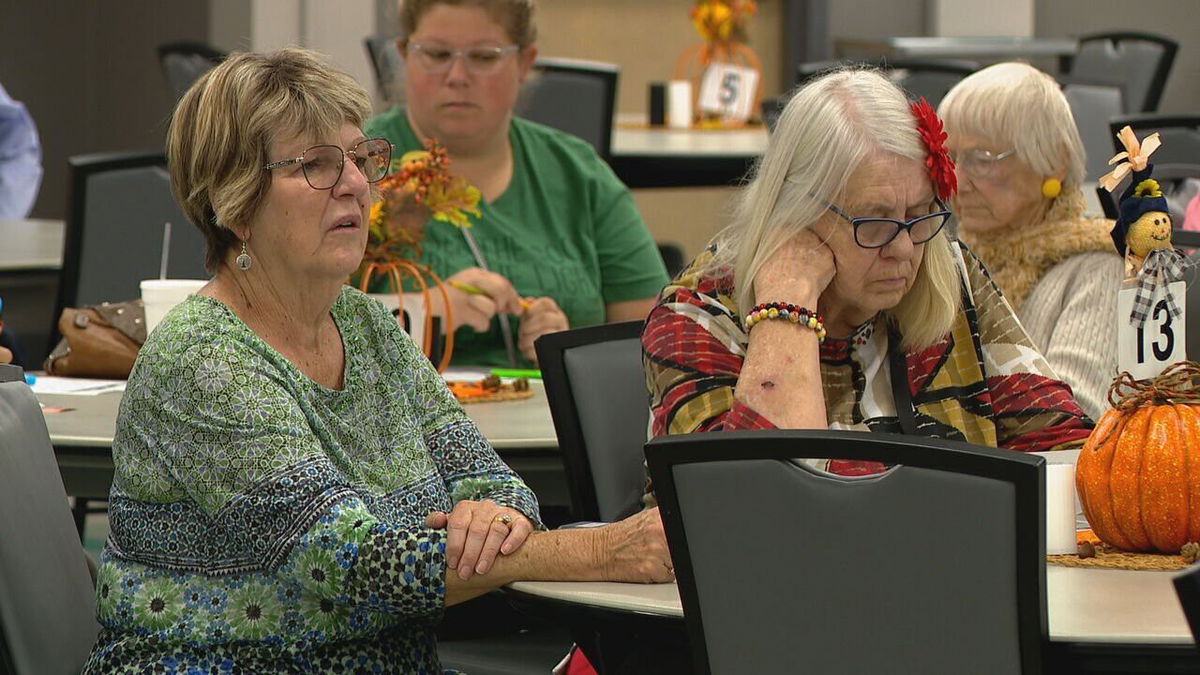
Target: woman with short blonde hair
<point>295,488</point>
<point>837,299</point>
<point>1021,210</point>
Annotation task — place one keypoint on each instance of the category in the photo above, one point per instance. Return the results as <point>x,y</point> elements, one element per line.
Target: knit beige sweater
<point>1062,278</point>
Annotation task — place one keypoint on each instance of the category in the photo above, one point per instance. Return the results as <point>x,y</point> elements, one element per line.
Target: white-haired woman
<point>1021,210</point>
<point>843,226</point>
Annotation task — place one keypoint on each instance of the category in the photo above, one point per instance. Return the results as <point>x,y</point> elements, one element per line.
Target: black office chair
<point>930,78</point>
<point>47,599</point>
<point>937,565</point>
<point>1187,588</point>
<point>578,97</point>
<point>1191,275</point>
<point>1138,63</point>
<point>387,63</point>
<point>117,205</point>
<point>1180,136</point>
<point>184,62</point>
<point>672,257</point>
<point>600,405</point>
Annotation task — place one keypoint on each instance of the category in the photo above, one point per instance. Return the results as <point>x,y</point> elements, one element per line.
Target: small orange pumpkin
<point>1138,475</point>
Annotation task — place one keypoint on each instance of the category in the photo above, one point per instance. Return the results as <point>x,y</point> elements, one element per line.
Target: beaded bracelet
<point>788,311</point>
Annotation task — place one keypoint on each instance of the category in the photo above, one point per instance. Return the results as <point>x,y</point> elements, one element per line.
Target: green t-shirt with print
<point>566,228</point>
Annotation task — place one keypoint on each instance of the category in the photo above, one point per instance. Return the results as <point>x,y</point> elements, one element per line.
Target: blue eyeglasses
<point>879,232</point>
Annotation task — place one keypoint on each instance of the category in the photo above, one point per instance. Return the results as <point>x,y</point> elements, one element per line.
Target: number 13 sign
<point>1145,351</point>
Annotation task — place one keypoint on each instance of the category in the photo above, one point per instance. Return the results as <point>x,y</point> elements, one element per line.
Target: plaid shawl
<point>984,383</point>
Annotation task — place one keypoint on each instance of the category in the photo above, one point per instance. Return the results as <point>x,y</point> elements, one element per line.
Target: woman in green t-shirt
<point>558,228</point>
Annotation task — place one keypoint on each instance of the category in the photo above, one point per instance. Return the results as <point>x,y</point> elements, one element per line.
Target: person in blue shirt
<point>20,159</point>
<point>6,346</point>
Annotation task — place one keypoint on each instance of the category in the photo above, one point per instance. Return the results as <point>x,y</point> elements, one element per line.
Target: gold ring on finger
<point>505,518</point>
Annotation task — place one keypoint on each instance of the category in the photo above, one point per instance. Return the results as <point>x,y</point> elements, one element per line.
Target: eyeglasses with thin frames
<point>439,60</point>
<point>322,164</point>
<point>978,162</point>
<point>879,232</point>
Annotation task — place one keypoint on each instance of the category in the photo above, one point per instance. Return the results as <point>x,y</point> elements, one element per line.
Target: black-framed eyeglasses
<point>322,164</point>
<point>879,232</point>
<point>479,60</point>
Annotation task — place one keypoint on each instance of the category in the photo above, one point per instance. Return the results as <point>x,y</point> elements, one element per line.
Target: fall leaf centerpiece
<point>419,187</point>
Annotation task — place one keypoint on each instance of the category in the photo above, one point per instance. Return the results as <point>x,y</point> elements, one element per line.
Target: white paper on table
<point>414,309</point>
<point>80,386</point>
<point>461,374</point>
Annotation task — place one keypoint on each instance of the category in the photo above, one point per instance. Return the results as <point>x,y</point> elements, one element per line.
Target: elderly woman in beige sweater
<point>1021,209</point>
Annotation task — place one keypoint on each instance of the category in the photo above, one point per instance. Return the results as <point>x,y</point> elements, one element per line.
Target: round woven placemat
<point>502,395</point>
<point>1108,557</point>
<point>1120,560</point>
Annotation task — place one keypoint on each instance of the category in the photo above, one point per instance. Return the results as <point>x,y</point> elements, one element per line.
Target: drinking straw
<point>166,249</point>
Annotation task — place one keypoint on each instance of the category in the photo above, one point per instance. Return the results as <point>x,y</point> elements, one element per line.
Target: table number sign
<point>1145,351</point>
<point>729,91</point>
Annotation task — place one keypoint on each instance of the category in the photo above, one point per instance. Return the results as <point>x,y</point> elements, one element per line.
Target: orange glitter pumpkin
<point>1138,475</point>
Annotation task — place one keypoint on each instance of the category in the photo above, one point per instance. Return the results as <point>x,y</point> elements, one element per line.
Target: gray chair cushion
<point>609,387</point>
<point>47,603</point>
<point>1092,106</point>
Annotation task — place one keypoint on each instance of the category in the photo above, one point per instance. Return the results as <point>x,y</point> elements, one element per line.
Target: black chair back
<point>930,78</point>
<point>184,62</point>
<point>1138,63</point>
<point>937,565</point>
<point>578,97</point>
<point>1187,588</point>
<point>1180,136</point>
<point>601,407</point>
<point>118,203</point>
<point>386,63</point>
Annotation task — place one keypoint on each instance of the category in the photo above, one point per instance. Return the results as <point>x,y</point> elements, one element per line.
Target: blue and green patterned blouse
<point>264,523</point>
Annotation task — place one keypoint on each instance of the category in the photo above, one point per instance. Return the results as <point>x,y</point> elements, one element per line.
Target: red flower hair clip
<point>937,160</point>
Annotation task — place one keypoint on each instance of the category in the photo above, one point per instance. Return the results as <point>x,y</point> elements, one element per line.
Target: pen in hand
<point>475,290</point>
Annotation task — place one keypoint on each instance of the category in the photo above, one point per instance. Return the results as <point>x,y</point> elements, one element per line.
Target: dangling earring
<point>243,261</point>
<point>1051,188</point>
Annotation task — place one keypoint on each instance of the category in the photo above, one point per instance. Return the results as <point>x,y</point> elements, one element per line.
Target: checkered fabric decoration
<point>1161,267</point>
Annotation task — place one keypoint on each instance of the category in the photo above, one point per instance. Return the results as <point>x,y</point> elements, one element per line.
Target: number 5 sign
<point>728,90</point>
<point>1144,352</point>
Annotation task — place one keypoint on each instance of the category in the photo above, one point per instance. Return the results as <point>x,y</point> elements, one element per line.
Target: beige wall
<point>645,38</point>
<point>88,72</point>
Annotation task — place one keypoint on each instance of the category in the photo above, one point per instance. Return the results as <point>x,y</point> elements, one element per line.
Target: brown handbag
<point>99,341</point>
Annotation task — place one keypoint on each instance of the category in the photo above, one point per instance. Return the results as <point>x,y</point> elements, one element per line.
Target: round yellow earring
<point>1051,188</point>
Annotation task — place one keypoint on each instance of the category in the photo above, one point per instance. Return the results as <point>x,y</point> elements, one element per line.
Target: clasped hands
<point>539,316</point>
<point>476,532</point>
<point>633,550</point>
